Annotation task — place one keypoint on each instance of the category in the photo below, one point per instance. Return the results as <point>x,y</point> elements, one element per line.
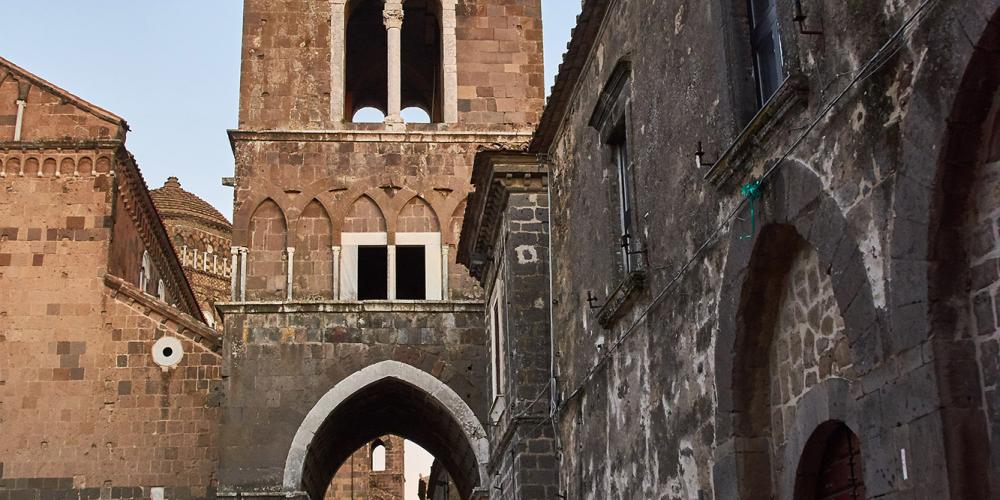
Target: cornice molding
<point>495,175</point>
<point>188,326</point>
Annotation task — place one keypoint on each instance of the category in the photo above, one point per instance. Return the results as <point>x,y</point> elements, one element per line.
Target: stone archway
<point>389,397</point>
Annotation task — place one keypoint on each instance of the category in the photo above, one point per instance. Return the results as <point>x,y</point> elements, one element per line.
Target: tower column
<point>392,15</point>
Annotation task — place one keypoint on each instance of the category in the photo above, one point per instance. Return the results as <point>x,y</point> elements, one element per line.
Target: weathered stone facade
<point>359,478</point>
<point>89,289</point>
<point>787,288</point>
<point>505,246</point>
<point>333,338</point>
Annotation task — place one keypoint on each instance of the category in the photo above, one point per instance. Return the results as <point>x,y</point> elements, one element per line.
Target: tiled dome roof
<point>172,201</point>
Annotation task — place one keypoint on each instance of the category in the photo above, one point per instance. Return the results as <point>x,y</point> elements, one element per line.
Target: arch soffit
<point>474,432</point>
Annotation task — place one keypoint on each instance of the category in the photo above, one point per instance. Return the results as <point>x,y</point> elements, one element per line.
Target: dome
<point>175,203</point>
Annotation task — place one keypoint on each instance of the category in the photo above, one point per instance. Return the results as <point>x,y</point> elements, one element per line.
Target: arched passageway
<point>387,398</point>
<point>831,465</point>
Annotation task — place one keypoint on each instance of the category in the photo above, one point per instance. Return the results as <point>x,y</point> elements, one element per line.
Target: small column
<point>336,272</point>
<point>392,15</point>
<point>338,53</point>
<point>291,266</point>
<point>233,272</point>
<point>391,285</point>
<point>444,273</point>
<point>243,274</point>
<point>21,103</point>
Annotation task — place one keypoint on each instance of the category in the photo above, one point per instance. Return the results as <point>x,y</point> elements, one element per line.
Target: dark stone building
<point>773,250</point>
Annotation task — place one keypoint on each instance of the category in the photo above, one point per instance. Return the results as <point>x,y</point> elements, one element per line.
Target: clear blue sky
<point>171,69</point>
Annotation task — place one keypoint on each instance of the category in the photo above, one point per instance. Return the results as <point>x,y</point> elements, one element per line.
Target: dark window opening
<point>626,200</point>
<point>411,273</point>
<point>497,355</point>
<point>367,65</point>
<point>765,41</point>
<point>422,76</point>
<point>373,273</point>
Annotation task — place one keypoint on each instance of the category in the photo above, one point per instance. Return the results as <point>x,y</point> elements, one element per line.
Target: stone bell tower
<point>344,233</point>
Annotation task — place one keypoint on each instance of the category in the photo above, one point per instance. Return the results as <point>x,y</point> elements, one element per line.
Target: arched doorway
<point>387,398</point>
<point>831,466</point>
<point>963,285</point>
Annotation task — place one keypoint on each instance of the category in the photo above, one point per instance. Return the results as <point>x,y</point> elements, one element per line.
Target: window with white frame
<point>371,269</point>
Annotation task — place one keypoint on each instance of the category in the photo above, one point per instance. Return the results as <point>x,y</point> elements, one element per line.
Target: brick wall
<point>267,261</point>
<point>85,409</point>
<point>313,254</point>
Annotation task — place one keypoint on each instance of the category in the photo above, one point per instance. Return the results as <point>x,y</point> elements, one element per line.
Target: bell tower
<point>359,121</point>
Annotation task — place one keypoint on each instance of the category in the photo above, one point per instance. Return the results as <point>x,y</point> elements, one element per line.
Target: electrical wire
<point>876,62</point>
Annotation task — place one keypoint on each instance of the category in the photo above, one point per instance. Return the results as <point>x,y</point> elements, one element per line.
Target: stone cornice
<point>186,325</point>
<point>139,206</point>
<point>62,146</point>
<point>356,307</point>
<point>495,175</point>
<point>507,139</point>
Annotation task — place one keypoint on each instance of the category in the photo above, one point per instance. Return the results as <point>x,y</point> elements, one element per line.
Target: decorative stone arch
<point>943,136</point>
<point>419,198</point>
<point>829,401</point>
<point>796,207</point>
<point>246,209</point>
<point>467,460</point>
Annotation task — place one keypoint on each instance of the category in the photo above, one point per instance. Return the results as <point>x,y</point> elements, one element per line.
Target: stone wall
<point>650,406</point>
<point>281,365</point>
<point>286,65</point>
<point>355,479</point>
<point>86,410</point>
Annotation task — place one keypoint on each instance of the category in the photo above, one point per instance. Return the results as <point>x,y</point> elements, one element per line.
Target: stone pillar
<point>234,271</point>
<point>291,268</point>
<point>449,61</point>
<point>391,285</point>
<point>444,273</point>
<point>392,15</point>
<point>243,273</point>
<point>336,272</point>
<point>19,121</point>
<point>338,62</point>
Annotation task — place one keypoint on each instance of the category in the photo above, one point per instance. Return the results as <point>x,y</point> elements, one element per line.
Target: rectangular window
<point>765,42</point>
<point>373,273</point>
<point>411,273</point>
<point>497,339</point>
<point>626,201</point>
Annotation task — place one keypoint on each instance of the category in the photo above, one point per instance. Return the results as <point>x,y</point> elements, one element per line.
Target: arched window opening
<point>831,466</point>
<point>414,114</point>
<point>368,115</point>
<point>378,456</point>
<point>421,57</point>
<point>366,61</point>
<point>144,272</point>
